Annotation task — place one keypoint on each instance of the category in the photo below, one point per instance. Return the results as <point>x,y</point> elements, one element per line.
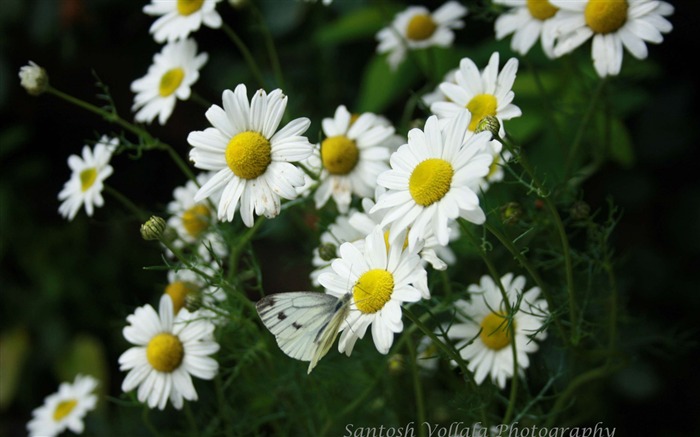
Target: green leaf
<point>361,24</point>
<point>13,351</point>
<point>381,86</point>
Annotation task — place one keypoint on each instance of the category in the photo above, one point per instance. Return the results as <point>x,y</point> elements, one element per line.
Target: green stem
<point>510,326</point>
<point>191,422</point>
<point>270,46</point>
<point>568,261</point>
<point>417,385</point>
<point>547,103</point>
<point>585,120</point>
<point>128,204</point>
<point>246,54</point>
<point>147,421</point>
<point>221,399</point>
<point>241,245</point>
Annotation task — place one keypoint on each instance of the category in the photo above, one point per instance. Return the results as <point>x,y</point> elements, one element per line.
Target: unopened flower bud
<point>153,229</point>
<point>328,251</point>
<point>193,300</point>
<point>489,123</point>
<point>33,78</point>
<point>511,213</point>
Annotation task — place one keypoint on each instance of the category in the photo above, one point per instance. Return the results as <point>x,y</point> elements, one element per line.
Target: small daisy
<point>170,76</point>
<point>528,21</point>
<point>169,349</point>
<point>613,24</point>
<point>195,291</point>
<point>195,222</point>
<point>252,160</point>
<point>180,17</point>
<point>484,334</point>
<point>417,28</point>
<point>380,281</point>
<point>33,78</point>
<point>350,158</point>
<point>429,183</point>
<point>86,182</point>
<point>483,93</point>
<point>338,232</point>
<point>64,409</point>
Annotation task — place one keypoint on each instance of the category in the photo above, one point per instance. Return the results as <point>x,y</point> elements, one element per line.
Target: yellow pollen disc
<point>420,27</point>
<point>386,241</point>
<point>248,154</point>
<point>541,9</point>
<point>187,7</point>
<point>170,81</point>
<point>63,409</point>
<point>339,154</point>
<point>605,16</point>
<point>196,219</point>
<point>430,181</point>
<point>373,290</point>
<point>495,332</point>
<point>178,292</point>
<point>480,106</point>
<point>165,352</point>
<point>87,178</point>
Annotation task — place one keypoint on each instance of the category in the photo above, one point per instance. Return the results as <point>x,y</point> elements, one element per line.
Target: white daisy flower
<point>195,222</point>
<point>380,281</point>
<point>418,28</point>
<point>352,155</point>
<point>169,78</point>
<point>252,160</point>
<point>168,351</point>
<point>429,183</point>
<point>64,409</point>
<point>188,289</point>
<point>483,93</point>
<point>338,232</point>
<point>527,21</point>
<point>180,17</point>
<point>613,24</point>
<point>33,78</point>
<point>484,334</point>
<point>86,182</point>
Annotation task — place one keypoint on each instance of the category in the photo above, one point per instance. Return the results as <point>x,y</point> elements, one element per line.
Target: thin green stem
<point>191,422</point>
<point>417,385</point>
<point>510,326</point>
<point>246,54</point>
<point>547,103</point>
<point>561,231</point>
<point>147,420</point>
<point>585,120</point>
<point>270,46</point>
<point>241,244</point>
<point>127,203</point>
<point>221,400</point>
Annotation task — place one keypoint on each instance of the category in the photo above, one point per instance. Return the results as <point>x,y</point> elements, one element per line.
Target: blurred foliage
<point>66,287</point>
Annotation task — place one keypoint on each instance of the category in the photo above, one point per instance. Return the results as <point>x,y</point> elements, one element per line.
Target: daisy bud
<point>489,123</point>
<point>33,78</point>
<point>153,229</point>
<point>193,300</point>
<point>328,251</point>
<point>511,213</point>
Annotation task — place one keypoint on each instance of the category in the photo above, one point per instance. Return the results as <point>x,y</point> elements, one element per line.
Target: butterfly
<point>304,323</point>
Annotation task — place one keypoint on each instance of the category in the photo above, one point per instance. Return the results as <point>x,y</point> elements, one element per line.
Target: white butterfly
<point>304,323</point>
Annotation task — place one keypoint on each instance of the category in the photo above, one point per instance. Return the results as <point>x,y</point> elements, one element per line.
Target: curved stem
<point>270,46</point>
<point>246,54</point>
<point>128,204</point>
<point>585,120</point>
<point>417,385</point>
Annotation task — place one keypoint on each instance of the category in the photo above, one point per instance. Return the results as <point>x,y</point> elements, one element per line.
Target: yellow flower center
<point>178,292</point>
<point>165,352</point>
<point>196,219</point>
<point>605,16</point>
<point>63,409</point>
<point>373,290</point>
<point>480,106</point>
<point>248,154</point>
<point>170,81</point>
<point>541,9</point>
<point>430,181</point>
<point>339,154</point>
<point>187,7</point>
<point>495,332</point>
<point>87,178</point>
<point>420,27</point>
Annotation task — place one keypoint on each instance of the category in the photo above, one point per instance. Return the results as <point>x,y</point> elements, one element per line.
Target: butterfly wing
<point>327,334</point>
<point>299,320</point>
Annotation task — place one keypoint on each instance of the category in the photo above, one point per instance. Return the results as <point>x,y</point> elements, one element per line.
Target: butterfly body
<point>304,323</point>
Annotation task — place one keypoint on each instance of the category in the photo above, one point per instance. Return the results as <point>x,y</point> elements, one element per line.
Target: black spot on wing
<point>296,325</point>
<point>265,303</point>
<point>281,315</point>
